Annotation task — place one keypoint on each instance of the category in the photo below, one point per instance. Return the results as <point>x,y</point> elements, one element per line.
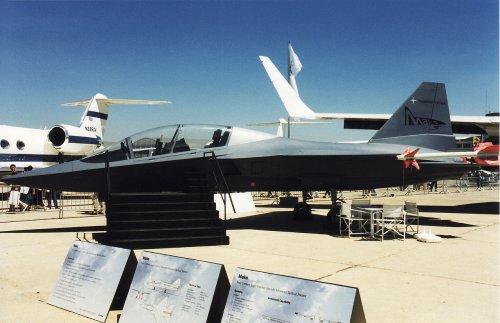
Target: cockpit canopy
<point>176,139</point>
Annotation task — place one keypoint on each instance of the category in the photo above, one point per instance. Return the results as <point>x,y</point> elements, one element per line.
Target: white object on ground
<point>427,236</point>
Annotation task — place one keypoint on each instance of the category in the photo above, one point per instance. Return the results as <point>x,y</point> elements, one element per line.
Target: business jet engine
<point>71,140</point>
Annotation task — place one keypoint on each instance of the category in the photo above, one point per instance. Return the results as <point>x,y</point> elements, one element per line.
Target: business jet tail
<point>97,109</point>
<point>88,136</point>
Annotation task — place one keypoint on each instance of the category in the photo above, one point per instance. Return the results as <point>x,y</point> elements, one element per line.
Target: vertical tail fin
<point>294,67</point>
<point>423,120</point>
<point>95,117</point>
<point>291,100</point>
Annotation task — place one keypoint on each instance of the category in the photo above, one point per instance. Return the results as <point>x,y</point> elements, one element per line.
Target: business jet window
<point>4,144</point>
<point>20,145</point>
<point>193,137</point>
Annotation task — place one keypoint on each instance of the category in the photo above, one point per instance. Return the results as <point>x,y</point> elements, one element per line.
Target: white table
<point>373,210</point>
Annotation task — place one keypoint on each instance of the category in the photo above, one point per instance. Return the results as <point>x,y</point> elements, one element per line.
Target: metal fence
<point>489,181</point>
<point>83,201</point>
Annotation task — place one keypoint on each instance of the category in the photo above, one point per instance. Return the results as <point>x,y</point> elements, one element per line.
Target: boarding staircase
<point>188,217</point>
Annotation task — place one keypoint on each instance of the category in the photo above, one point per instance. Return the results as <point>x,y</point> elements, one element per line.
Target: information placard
<point>262,297</point>
<point>173,289</point>
<point>89,278</point>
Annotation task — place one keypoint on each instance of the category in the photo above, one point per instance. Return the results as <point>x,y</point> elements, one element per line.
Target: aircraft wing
<point>356,120</point>
<point>471,124</point>
<point>460,124</point>
<point>277,123</point>
<point>115,101</point>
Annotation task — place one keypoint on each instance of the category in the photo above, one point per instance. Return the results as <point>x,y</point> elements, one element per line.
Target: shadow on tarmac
<point>474,208</point>
<point>282,221</point>
<point>437,222</point>
<point>56,230</point>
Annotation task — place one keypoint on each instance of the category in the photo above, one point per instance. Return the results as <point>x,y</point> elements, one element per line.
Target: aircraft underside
<point>254,174</point>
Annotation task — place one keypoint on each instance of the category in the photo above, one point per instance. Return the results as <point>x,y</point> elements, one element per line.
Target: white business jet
<point>45,147</point>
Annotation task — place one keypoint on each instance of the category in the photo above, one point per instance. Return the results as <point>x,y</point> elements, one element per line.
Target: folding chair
<point>356,221</point>
<point>392,221</point>
<point>361,202</point>
<point>412,217</point>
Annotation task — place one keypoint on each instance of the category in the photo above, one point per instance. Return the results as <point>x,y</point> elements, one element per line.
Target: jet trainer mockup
<point>161,159</point>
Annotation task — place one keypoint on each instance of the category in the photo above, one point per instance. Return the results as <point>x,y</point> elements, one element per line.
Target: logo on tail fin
<point>412,120</point>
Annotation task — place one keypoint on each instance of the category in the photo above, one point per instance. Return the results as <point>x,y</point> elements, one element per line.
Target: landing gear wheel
<point>302,211</point>
<point>332,217</point>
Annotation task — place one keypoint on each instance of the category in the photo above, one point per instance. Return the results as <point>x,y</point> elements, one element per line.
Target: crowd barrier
<point>489,181</point>
<point>82,201</point>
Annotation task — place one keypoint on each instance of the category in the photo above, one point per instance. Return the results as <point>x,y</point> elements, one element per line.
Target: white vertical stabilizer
<point>290,99</point>
<point>294,67</point>
<point>96,114</point>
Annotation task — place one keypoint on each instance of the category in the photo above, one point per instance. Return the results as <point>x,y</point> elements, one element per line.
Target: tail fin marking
<point>423,120</point>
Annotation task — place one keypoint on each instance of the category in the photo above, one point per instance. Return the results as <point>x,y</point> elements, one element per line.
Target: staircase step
<point>157,233</point>
<point>152,206</point>
<point>163,223</point>
<point>166,219</point>
<point>149,215</point>
<point>156,197</point>
<point>151,243</point>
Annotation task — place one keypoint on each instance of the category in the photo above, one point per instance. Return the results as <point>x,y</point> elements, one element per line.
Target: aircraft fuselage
<point>273,164</point>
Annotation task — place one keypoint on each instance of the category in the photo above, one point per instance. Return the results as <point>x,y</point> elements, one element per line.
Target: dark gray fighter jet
<point>165,158</point>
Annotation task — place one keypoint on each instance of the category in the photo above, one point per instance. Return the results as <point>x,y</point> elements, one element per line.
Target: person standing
<point>433,184</point>
<point>52,196</point>
<point>15,194</point>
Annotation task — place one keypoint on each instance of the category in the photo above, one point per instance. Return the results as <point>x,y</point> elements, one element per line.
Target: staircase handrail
<point>213,157</point>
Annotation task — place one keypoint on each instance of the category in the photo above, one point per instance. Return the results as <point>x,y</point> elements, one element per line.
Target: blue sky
<point>358,56</point>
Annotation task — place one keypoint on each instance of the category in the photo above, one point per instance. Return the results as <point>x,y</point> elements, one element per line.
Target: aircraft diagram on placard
<point>297,109</point>
<point>164,286</point>
<point>255,161</point>
<point>162,312</point>
<point>153,297</point>
<point>141,294</point>
<point>315,318</point>
<point>45,147</point>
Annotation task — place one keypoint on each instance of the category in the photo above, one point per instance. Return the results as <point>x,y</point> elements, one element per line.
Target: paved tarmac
<point>456,280</point>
